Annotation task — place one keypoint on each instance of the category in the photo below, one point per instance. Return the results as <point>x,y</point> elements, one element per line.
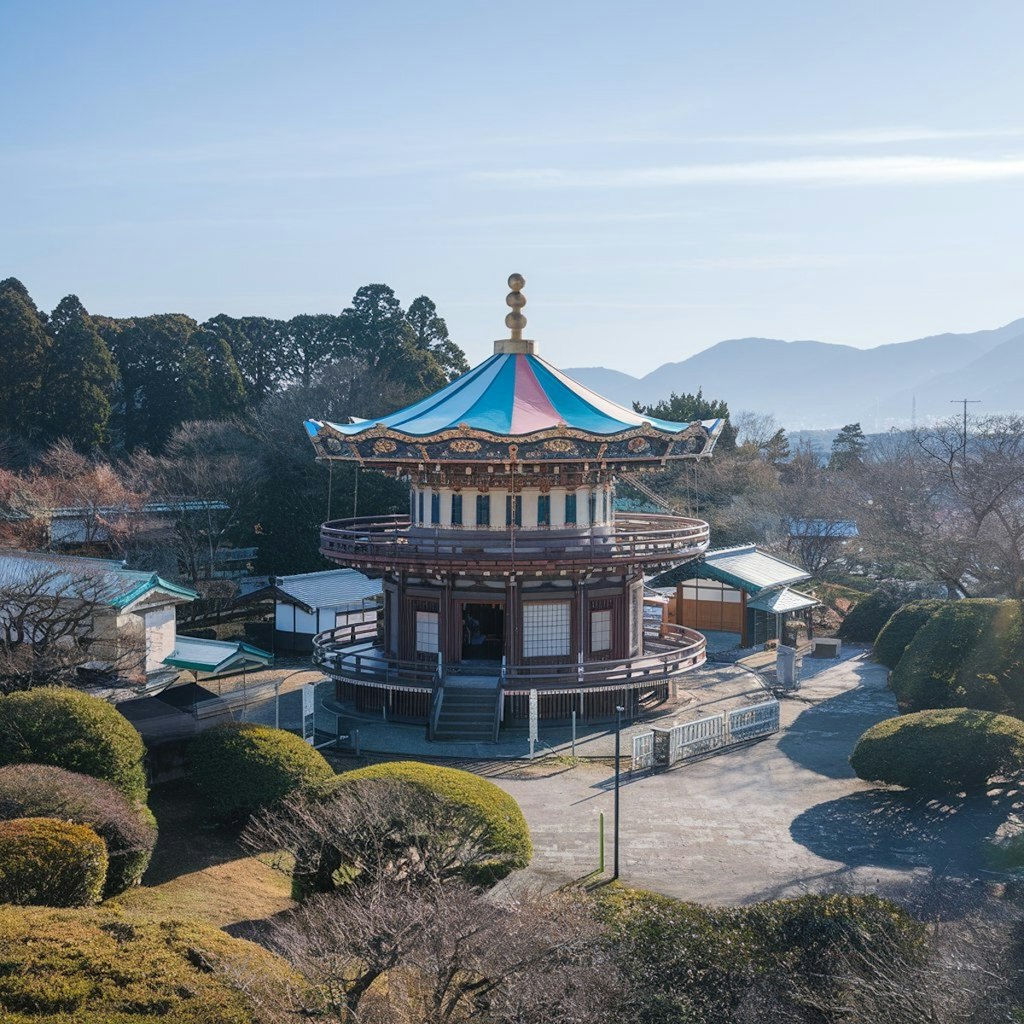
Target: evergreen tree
<point>430,333</point>
<point>848,448</point>
<point>313,341</point>
<point>260,350</point>
<point>24,349</point>
<point>212,379</point>
<point>153,360</point>
<point>80,377</point>
<point>686,408</point>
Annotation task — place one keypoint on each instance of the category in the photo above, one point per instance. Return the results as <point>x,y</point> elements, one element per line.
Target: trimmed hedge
<point>73,730</point>
<point>901,629</point>
<point>866,619</point>
<point>42,791</point>
<point>51,863</point>
<point>968,654</point>
<point>946,750</point>
<point>700,964</point>
<point>71,966</point>
<point>239,768</point>
<point>505,829</point>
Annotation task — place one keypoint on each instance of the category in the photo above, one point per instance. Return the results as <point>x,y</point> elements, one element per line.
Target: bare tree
<point>374,830</point>
<point>52,620</point>
<point>387,953</point>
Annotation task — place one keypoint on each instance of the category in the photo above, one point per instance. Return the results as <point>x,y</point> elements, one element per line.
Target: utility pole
<point>618,733</point>
<point>965,402</point>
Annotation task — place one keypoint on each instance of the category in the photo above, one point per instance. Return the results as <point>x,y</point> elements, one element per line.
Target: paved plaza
<point>781,816</point>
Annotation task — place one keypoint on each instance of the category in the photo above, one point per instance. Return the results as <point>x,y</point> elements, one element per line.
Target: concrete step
<point>467,715</point>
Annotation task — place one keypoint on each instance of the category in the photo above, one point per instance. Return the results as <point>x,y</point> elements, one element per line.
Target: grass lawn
<point>200,872</point>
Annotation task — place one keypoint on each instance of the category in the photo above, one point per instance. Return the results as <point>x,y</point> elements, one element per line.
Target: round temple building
<point>511,572</point>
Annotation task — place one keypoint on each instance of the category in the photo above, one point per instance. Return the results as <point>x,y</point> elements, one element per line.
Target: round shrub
<point>403,823</point>
<point>93,965</point>
<point>502,829</point>
<point>73,730</point>
<point>946,750</point>
<point>239,768</point>
<point>968,654</point>
<point>51,863</point>
<point>901,628</point>
<point>42,791</point>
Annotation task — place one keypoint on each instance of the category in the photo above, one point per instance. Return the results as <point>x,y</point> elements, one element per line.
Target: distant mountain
<point>813,385</point>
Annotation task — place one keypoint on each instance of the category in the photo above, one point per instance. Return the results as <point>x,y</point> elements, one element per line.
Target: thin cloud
<point>894,170</point>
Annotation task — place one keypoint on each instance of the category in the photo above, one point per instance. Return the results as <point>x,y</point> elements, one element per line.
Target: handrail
<point>668,651</point>
<point>633,539</point>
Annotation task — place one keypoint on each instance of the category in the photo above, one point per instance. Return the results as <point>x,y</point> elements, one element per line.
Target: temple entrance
<point>483,632</point>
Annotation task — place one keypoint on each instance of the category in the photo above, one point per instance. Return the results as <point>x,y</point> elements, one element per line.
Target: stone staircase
<point>467,715</point>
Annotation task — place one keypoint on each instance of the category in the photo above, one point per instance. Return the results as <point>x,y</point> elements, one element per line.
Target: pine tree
<point>687,408</point>
<point>80,377</point>
<point>848,448</point>
<point>24,346</point>
<point>430,333</point>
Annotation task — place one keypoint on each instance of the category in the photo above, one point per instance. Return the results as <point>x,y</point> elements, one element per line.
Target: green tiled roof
<point>215,656</point>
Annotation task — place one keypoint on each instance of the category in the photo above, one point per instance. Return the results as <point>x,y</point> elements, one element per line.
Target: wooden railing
<point>669,650</point>
<point>390,542</point>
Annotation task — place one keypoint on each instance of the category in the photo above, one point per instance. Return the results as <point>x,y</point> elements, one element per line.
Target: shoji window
<point>426,632</point>
<point>546,629</point>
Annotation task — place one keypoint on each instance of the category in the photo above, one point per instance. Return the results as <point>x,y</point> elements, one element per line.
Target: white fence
<point>693,738</point>
<point>643,752</point>
<point>661,748</point>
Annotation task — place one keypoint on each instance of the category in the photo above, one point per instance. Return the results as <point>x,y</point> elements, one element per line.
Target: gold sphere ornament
<point>516,282</point>
<point>515,299</point>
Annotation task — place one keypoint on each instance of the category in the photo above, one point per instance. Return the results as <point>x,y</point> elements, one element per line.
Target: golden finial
<point>515,321</point>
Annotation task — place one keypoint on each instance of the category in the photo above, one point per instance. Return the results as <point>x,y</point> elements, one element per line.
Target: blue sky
<point>665,175</point>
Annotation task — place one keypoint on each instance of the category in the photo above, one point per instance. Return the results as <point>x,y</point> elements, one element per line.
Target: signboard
<point>308,712</point>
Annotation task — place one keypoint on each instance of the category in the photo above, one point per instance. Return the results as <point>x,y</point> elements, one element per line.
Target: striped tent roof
<point>511,394</point>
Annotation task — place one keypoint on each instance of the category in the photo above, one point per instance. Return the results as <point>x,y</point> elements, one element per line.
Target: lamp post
<point>618,737</point>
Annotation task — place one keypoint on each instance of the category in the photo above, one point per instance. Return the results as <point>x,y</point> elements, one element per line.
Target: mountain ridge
<point>808,384</point>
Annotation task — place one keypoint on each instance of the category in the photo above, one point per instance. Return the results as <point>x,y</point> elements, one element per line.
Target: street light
<point>618,736</point>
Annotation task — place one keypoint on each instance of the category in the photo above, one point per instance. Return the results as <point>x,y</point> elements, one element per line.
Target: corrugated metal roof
<point>87,578</point>
<point>782,602</point>
<point>333,588</point>
<point>215,656</point>
<point>744,567</point>
<point>750,569</point>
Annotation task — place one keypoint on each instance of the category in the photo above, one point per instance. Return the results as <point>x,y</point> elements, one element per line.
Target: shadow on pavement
<point>823,736</point>
<point>898,830</point>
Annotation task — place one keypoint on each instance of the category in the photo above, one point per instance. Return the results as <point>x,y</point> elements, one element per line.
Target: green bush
<point>42,791</point>
<point>503,828</point>
<point>239,768</point>
<point>865,620</point>
<point>699,964</point>
<point>72,730</point>
<point>51,863</point>
<point>946,750</point>
<point>968,654</point>
<point>901,628</point>
<point>72,966</point>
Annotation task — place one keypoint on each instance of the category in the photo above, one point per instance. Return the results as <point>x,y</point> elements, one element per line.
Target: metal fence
<point>662,748</point>
<point>643,752</point>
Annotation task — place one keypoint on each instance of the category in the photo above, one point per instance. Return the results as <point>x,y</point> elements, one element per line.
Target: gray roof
<point>781,602</point>
<point>334,588</point>
<point>70,576</point>
<point>743,567</point>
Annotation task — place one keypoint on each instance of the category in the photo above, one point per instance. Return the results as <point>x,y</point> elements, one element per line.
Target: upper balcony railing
<point>388,542</point>
<point>669,650</point>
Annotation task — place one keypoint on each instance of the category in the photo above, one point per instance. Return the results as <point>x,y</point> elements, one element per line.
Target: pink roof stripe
<point>531,407</point>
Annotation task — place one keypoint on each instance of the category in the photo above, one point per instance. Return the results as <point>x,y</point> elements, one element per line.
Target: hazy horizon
<point>665,177</point>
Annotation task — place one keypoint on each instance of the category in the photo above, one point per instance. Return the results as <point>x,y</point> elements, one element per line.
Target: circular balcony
<point>389,543</point>
<point>351,653</point>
